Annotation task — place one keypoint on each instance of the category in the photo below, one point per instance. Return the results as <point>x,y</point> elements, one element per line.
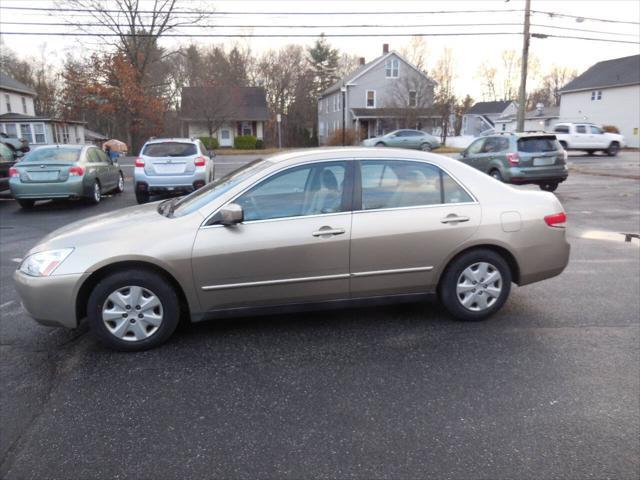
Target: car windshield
<point>537,144</point>
<point>169,149</point>
<point>53,154</point>
<point>213,190</point>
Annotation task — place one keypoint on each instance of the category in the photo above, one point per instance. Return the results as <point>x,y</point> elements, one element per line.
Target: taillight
<point>556,220</point>
<point>513,158</point>
<point>13,172</point>
<point>76,171</point>
<point>200,161</point>
<point>139,162</point>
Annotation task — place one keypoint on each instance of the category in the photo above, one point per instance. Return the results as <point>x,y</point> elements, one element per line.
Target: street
<point>547,388</point>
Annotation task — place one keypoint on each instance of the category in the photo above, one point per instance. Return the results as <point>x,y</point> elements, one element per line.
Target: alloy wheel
<point>96,192</point>
<point>479,286</point>
<point>121,183</point>
<point>132,313</point>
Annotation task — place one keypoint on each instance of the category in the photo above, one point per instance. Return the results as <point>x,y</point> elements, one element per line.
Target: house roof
<point>483,108</point>
<point>94,136</point>
<point>610,73</point>
<point>20,117</point>
<point>10,83</point>
<point>366,67</point>
<point>245,103</point>
<point>547,112</point>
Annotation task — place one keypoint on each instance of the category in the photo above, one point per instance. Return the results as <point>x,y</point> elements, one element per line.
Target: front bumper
<point>50,300</point>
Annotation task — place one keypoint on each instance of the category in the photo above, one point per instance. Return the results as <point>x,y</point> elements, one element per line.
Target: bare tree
<point>552,82</point>
<point>215,109</point>
<point>487,76</point>
<point>444,75</point>
<point>416,52</point>
<point>411,97</point>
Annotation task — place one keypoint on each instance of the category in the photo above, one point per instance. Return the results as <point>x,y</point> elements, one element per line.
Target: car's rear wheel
<point>133,310</point>
<point>613,149</point>
<point>96,193</point>
<point>549,186</point>
<point>495,173</point>
<point>475,285</point>
<point>425,147</point>
<point>120,186</point>
<point>142,197</point>
<point>26,203</point>
<point>380,144</point>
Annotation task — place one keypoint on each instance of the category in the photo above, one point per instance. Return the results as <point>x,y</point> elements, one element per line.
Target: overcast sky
<point>469,51</point>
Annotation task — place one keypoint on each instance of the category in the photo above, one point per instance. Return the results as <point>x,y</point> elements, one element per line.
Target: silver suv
<point>172,165</point>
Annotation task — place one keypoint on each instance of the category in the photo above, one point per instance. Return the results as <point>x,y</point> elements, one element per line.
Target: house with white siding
<point>18,117</point>
<point>608,93</point>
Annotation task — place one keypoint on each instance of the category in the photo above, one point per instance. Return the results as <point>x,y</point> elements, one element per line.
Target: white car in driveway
<point>588,138</point>
<point>172,165</point>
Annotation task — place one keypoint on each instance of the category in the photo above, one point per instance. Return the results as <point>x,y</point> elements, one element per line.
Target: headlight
<point>43,264</point>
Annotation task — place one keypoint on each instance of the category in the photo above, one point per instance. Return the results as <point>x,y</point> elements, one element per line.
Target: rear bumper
<point>522,176</point>
<point>50,300</point>
<point>72,188</point>
<point>164,181</point>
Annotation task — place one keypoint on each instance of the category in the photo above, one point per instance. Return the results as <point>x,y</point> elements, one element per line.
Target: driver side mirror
<point>230,214</point>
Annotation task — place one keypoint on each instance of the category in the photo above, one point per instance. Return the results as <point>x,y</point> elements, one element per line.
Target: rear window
<point>53,154</point>
<point>170,149</point>
<point>537,144</point>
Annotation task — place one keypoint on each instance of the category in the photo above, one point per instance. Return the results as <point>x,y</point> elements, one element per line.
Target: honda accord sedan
<point>301,230</point>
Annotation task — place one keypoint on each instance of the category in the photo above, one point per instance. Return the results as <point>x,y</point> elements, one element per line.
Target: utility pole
<point>343,90</point>
<point>522,96</point>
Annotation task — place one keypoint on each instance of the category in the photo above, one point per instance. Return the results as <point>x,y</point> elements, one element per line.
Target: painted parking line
<point>6,304</point>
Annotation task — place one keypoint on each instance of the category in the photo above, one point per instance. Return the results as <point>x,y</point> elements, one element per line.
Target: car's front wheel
<point>133,310</point>
<point>120,185</point>
<point>475,285</point>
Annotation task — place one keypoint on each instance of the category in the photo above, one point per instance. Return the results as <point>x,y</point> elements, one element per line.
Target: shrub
<point>610,129</point>
<point>335,138</point>
<point>210,143</point>
<point>245,142</point>
<point>259,144</point>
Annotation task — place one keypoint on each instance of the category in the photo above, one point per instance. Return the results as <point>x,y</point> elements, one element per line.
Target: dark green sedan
<point>66,172</point>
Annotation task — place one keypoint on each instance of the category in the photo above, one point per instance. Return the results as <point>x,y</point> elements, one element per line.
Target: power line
<point>579,18</point>
<point>198,12</point>
<point>311,35</point>
<point>501,24</point>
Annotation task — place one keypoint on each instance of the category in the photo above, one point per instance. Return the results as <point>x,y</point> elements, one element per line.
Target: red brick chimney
<point>361,61</point>
<point>385,48</point>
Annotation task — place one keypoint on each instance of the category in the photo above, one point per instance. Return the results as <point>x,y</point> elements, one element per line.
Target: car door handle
<point>328,231</point>
<point>454,219</point>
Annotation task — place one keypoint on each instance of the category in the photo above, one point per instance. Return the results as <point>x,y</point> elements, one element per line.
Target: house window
<point>413,98</point>
<point>38,130</point>
<point>371,98</point>
<point>7,101</point>
<point>25,132</point>
<point>322,129</point>
<point>11,130</point>
<point>596,95</point>
<point>599,96</point>
<point>246,128</point>
<point>24,105</point>
<point>391,68</point>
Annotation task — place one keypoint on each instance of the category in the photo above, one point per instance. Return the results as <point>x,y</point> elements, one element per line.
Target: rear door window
<point>170,149</point>
<point>537,144</point>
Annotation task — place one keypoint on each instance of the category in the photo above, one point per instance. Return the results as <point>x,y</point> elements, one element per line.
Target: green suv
<point>519,158</point>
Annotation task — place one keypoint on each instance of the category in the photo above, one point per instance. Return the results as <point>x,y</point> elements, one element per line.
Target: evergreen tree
<point>323,61</point>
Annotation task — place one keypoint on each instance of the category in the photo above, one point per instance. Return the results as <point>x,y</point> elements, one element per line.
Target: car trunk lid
<point>45,172</point>
<point>540,151</point>
<point>169,165</point>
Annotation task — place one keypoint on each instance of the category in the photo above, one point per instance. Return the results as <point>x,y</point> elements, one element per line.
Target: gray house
<point>380,96</point>
<point>483,116</point>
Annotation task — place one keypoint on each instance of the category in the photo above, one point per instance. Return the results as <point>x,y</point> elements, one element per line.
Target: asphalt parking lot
<point>548,388</point>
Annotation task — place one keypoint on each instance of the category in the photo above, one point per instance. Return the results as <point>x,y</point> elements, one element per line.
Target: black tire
<point>549,187</point>
<point>96,193</point>
<point>449,281</point>
<point>142,197</point>
<point>120,186</point>
<point>495,173</point>
<point>26,204</point>
<point>133,277</point>
<point>613,149</point>
<point>426,147</point>
<point>380,144</point>
<point>591,152</point>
